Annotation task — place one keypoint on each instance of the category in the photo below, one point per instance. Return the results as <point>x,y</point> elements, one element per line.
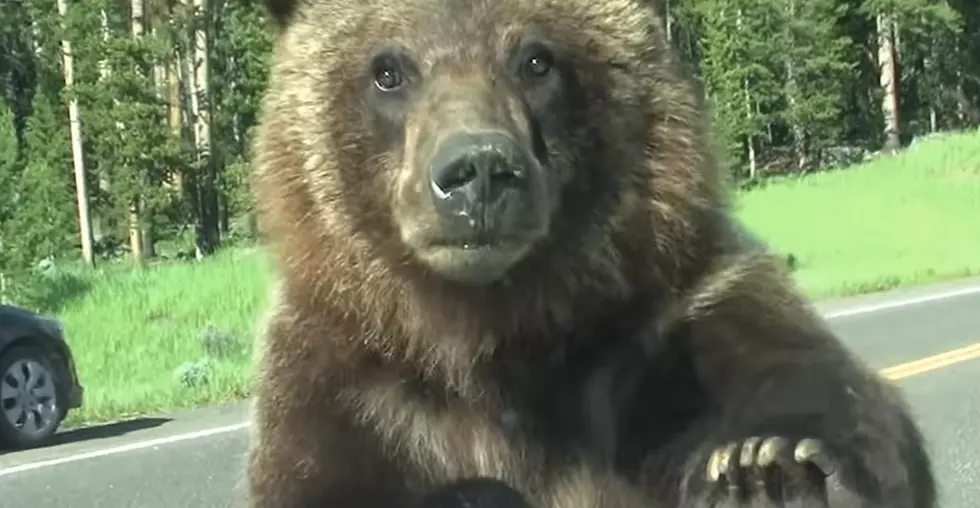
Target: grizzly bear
<point>504,252</point>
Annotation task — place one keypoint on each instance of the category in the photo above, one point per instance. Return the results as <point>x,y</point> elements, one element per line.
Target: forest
<point>125,125</point>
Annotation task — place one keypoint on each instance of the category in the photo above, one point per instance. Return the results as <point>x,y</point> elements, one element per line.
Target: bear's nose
<point>470,173</point>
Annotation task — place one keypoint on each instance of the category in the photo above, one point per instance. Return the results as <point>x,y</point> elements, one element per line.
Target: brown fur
<point>379,380</point>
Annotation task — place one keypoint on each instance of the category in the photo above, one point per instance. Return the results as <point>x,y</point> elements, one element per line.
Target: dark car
<point>38,381</point>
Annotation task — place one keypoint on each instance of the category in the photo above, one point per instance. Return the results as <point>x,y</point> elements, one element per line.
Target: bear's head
<point>476,144</point>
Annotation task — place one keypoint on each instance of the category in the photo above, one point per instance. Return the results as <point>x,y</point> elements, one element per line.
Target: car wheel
<point>30,406</point>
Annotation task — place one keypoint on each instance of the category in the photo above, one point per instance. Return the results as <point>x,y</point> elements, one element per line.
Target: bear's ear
<point>281,11</point>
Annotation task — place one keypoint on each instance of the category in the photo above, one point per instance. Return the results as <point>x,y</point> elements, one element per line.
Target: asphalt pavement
<point>927,338</point>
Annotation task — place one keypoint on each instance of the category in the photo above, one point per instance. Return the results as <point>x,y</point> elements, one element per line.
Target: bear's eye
<point>538,64</point>
<point>387,78</point>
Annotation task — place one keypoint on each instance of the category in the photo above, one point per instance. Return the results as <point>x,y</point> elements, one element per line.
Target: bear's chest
<point>545,395</point>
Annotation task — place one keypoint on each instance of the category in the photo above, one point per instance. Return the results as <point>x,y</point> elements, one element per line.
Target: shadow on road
<point>100,431</point>
<point>107,430</point>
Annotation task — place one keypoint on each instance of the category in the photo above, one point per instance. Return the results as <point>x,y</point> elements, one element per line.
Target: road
<point>196,459</point>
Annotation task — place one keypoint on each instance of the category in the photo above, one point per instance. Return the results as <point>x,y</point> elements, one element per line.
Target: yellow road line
<point>929,363</point>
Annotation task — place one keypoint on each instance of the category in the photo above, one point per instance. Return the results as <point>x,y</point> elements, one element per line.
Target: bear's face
<point>475,131</point>
<point>467,135</point>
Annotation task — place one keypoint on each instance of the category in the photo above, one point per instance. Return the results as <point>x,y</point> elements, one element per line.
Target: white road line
<point>138,445</point>
<point>905,302</point>
<point>189,436</point>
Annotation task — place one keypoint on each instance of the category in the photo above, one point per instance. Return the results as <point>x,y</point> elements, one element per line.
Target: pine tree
<point>45,220</point>
<point>9,162</point>
<point>816,71</point>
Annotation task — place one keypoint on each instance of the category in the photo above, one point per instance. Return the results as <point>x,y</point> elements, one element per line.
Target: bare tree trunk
<point>750,139</point>
<point>156,17</point>
<point>36,37</point>
<point>929,66</point>
<point>888,81</point>
<point>208,231</point>
<point>175,103</point>
<point>190,107</point>
<point>159,67</point>
<point>175,116</point>
<point>136,235</point>
<point>78,158</point>
<point>792,94</point>
<point>966,110</point>
<point>961,99</point>
<point>106,223</point>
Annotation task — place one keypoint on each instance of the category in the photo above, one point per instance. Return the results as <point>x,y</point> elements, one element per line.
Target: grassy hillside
<point>894,221</point>
<point>177,335</point>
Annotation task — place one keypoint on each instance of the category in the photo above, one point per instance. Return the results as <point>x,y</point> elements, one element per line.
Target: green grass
<point>907,219</point>
<point>135,328</point>
<point>891,222</point>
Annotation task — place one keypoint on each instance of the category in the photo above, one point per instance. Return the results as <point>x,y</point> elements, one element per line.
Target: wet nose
<point>472,172</point>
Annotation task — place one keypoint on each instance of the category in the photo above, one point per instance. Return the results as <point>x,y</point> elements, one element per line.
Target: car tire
<point>28,418</point>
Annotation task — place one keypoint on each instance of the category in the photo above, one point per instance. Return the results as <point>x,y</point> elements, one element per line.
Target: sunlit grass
<point>891,222</point>
<point>135,329</point>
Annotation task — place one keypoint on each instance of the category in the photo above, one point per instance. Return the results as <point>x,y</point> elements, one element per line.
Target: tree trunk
<point>175,111</point>
<point>136,236</point>
<point>792,94</point>
<point>966,112</point>
<point>78,159</point>
<point>749,138</point>
<point>106,222</point>
<point>208,230</point>
<point>889,82</point>
<point>36,38</point>
<point>156,17</point>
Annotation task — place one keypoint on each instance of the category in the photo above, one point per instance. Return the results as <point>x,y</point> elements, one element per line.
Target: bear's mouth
<point>477,260</point>
<point>479,240</point>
